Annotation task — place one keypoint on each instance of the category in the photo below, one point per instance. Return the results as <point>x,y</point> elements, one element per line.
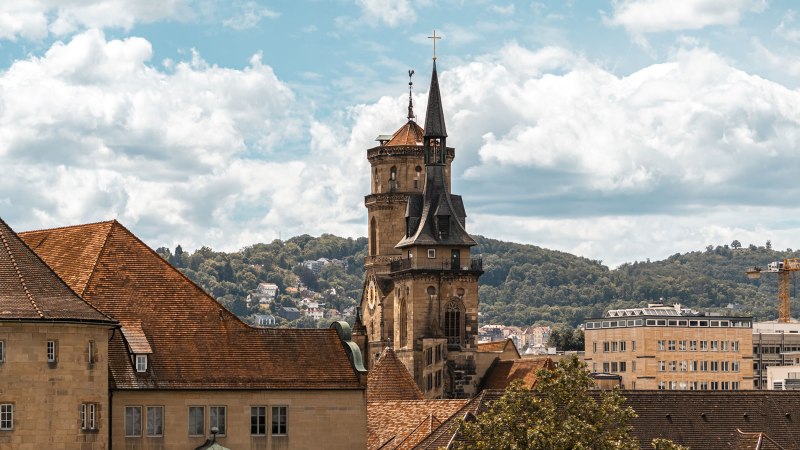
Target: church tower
<point>421,286</point>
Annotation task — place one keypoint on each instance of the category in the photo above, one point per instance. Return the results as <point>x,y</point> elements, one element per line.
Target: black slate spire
<point>434,117</point>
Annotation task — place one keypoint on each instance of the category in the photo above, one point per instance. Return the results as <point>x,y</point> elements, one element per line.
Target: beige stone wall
<point>47,397</point>
<point>647,355</point>
<point>316,419</point>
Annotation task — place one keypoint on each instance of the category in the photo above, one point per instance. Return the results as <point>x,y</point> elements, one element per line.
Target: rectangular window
<point>197,421</point>
<point>218,419</point>
<point>684,366</point>
<point>661,345</point>
<point>91,353</point>
<point>594,367</point>
<point>715,366</point>
<point>703,366</point>
<point>258,420</point>
<point>735,346</point>
<point>692,366</point>
<point>614,346</point>
<point>6,416</point>
<point>735,385</point>
<point>661,385</point>
<point>693,385</point>
<point>671,346</point>
<point>633,366</point>
<point>429,381</point>
<point>673,365</point>
<point>725,366</point>
<point>141,363</point>
<point>429,356</point>
<point>133,421</point>
<point>88,416</point>
<point>622,345</point>
<point>622,366</point>
<point>2,351</point>
<point>703,346</point>
<point>606,367</point>
<point>692,346</point>
<point>155,420</point>
<point>432,253</point>
<point>682,346</point>
<point>662,366</point>
<point>279,420</point>
<point>614,366</point>
<point>633,346</point>
<point>594,347</point>
<point>673,385</point>
<point>715,385</point>
<point>438,380</point>
<point>735,366</point>
<point>51,351</point>
<point>723,346</point>
<point>714,346</point>
<point>704,385</point>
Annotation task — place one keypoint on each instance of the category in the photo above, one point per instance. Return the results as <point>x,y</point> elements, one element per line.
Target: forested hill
<point>522,284</point>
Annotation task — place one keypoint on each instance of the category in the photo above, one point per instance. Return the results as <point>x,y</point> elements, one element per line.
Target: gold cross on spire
<point>434,37</point>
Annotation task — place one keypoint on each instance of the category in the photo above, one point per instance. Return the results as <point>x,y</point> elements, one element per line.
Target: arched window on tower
<point>393,179</point>
<point>373,237</point>
<point>454,322</point>
<point>403,323</point>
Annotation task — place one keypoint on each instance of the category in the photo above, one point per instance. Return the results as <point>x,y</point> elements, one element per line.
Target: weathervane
<point>410,104</point>
<point>434,37</point>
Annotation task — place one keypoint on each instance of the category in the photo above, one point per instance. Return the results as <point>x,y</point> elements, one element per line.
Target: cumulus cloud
<point>35,20</point>
<point>249,16</point>
<point>390,12</point>
<point>649,16</point>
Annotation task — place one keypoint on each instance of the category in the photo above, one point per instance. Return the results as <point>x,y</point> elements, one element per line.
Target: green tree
<point>666,444</point>
<point>557,413</point>
<point>736,244</point>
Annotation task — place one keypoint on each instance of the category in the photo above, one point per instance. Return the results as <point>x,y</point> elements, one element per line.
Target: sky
<point>618,130</point>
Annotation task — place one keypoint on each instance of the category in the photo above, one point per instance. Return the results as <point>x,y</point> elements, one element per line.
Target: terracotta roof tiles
<point>389,380</point>
<point>502,373</point>
<point>398,424</point>
<point>196,342</point>
<point>409,134</point>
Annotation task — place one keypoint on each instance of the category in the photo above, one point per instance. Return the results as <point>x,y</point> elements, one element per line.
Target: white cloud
<point>249,16</point>
<point>36,19</point>
<point>649,16</point>
<point>788,28</point>
<point>390,12</point>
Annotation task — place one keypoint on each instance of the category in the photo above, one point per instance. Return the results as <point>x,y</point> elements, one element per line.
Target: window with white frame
<point>133,421</point>
<point>51,351</point>
<point>6,416</point>
<point>141,363</point>
<point>279,414</point>
<point>88,416</point>
<point>197,420</point>
<point>258,420</point>
<point>432,253</point>
<point>155,421</point>
<point>217,416</point>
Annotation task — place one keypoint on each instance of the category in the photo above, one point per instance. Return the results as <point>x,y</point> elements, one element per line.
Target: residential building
<point>421,284</point>
<point>53,357</point>
<point>181,364</point>
<point>663,347</point>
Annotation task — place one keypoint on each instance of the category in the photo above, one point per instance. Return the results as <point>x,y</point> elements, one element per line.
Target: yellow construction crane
<point>785,269</point>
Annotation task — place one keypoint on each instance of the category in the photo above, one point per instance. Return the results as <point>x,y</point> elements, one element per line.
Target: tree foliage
<point>557,413</point>
<point>565,338</point>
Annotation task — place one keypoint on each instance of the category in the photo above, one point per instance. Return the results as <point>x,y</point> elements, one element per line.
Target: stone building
<point>662,347</point>
<point>53,357</point>
<point>421,286</point>
<point>181,364</point>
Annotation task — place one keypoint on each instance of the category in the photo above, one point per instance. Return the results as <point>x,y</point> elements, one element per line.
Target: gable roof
<point>502,372</point>
<point>389,380</point>
<point>398,424</point>
<point>30,290</point>
<point>447,432</point>
<point>196,343</point>
<point>498,347</point>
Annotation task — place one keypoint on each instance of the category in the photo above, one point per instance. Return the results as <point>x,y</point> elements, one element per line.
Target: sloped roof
<point>434,114</point>
<point>389,380</point>
<point>502,373</point>
<point>398,424</point>
<point>498,347</point>
<point>196,343</point>
<point>447,432</point>
<point>30,290</point>
<point>409,134</point>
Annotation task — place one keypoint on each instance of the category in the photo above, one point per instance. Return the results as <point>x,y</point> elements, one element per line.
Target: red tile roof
<point>502,373</point>
<point>408,134</point>
<point>389,380</point>
<point>196,343</point>
<point>403,423</point>
<point>30,290</point>
<point>498,347</point>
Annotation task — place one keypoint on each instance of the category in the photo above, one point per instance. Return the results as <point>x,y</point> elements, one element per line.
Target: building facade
<point>774,345</point>
<point>662,347</point>
<point>421,285</point>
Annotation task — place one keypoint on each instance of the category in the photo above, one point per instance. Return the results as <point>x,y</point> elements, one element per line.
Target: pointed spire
<point>411,115</point>
<point>434,116</point>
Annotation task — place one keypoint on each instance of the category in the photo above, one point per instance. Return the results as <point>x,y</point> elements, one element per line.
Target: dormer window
<point>141,363</point>
<point>443,223</point>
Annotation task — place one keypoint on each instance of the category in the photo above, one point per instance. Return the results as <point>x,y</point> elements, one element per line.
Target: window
<point>715,385</point>
<point>2,351</point>
<point>693,385</point>
<point>673,366</point>
<point>373,237</point>
<point>438,352</point>
<point>258,420</point>
<point>438,378</point>
<point>692,346</point>
<point>6,416</point>
<point>704,385</point>
<point>671,346</point>
<point>51,351</point>
<point>662,385</point>
<point>197,420</point>
<point>606,347</point>
<point>217,417</point>
<point>133,421</point>
<point>633,366</point>
<point>633,346</point>
<point>88,416</point>
<point>662,365</point>
<point>594,347</point>
<point>622,345</point>
<point>622,366</point>
<point>714,346</point>
<point>91,353</point>
<point>684,366</point>
<point>155,420</point>
<point>724,366</point>
<point>703,346</point>
<point>703,366</point>
<point>735,366</point>
<point>606,367</point>
<point>614,346</point>
<point>453,323</point>
<point>429,381</point>
<point>735,385</point>
<point>682,346</point>
<point>279,420</point>
<point>715,366</point>
<point>735,346</point>
<point>692,366</point>
<point>661,345</point>
<point>614,367</point>
<point>723,346</point>
<point>403,323</point>
<point>432,253</point>
<point>429,356</point>
<point>141,363</point>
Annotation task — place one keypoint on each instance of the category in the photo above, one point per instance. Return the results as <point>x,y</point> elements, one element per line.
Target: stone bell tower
<point>421,285</point>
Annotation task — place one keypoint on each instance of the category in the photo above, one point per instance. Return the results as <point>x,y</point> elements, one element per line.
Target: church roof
<point>389,380</point>
<point>502,372</point>
<point>30,290</point>
<point>434,115</point>
<point>398,424</point>
<point>196,343</point>
<point>409,134</point>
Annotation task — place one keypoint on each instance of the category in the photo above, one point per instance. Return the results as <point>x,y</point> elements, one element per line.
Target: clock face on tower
<point>372,294</point>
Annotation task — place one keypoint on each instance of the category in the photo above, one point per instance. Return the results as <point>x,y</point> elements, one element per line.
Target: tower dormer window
<point>141,363</point>
<point>443,224</point>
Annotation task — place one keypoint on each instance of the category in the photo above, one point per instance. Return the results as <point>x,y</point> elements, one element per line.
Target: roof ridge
<point>99,253</point>
<point>19,274</point>
<point>37,230</point>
